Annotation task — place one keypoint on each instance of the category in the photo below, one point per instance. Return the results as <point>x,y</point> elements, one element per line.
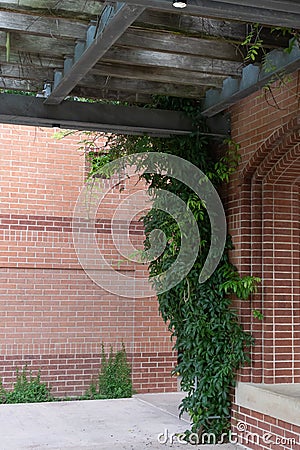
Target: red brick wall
<point>52,315</point>
<point>263,214</point>
<point>259,431</point>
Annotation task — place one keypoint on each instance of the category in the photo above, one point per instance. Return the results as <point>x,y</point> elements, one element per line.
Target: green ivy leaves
<point>210,341</point>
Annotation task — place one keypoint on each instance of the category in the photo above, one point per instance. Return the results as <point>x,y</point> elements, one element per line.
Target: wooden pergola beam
<point>174,43</point>
<point>160,74</point>
<point>42,21</point>
<point>103,74</point>
<point>70,9</point>
<point>132,38</point>
<point>152,58</point>
<point>216,29</point>
<point>115,21</point>
<point>142,86</point>
<point>102,82</point>
<point>287,6</point>
<point>42,26</point>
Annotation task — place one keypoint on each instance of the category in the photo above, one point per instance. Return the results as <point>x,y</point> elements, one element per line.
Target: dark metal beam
<point>26,110</point>
<point>115,21</point>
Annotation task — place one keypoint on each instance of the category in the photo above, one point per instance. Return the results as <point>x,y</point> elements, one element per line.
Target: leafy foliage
<point>27,389</point>
<point>114,380</point>
<point>253,42</point>
<point>255,46</point>
<point>211,343</point>
<point>257,52</point>
<point>15,91</point>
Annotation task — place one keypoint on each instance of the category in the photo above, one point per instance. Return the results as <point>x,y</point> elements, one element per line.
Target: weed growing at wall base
<point>27,389</point>
<point>114,380</point>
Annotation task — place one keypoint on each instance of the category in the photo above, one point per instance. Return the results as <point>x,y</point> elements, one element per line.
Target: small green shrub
<point>27,389</point>
<point>114,380</point>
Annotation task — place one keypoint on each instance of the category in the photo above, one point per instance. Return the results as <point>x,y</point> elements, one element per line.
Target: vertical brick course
<point>263,213</point>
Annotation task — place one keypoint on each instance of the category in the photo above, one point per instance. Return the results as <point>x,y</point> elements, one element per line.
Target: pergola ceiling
<point>131,50</point>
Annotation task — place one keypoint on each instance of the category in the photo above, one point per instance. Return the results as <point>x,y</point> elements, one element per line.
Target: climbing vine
<point>206,332</point>
<point>255,46</point>
<point>257,52</point>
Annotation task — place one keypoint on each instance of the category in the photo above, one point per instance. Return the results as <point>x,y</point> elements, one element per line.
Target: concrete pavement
<point>131,424</point>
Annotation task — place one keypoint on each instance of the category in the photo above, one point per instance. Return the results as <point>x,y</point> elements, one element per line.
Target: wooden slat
<point>101,83</point>
<point>23,66</point>
<point>142,86</point>
<point>286,6</point>
<point>171,42</point>
<point>25,72</point>
<point>233,32</point>
<point>244,12</point>
<point>176,61</point>
<point>192,25</point>
<point>194,54</point>
<point>41,45</point>
<point>57,48</point>
<point>68,29</point>
<point>23,59</point>
<point>161,74</point>
<point>79,9</point>
<point>44,26</point>
<point>20,84</point>
<point>74,9</point>
<point>121,20</point>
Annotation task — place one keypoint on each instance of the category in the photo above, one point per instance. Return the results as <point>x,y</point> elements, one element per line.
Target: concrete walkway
<point>131,424</point>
